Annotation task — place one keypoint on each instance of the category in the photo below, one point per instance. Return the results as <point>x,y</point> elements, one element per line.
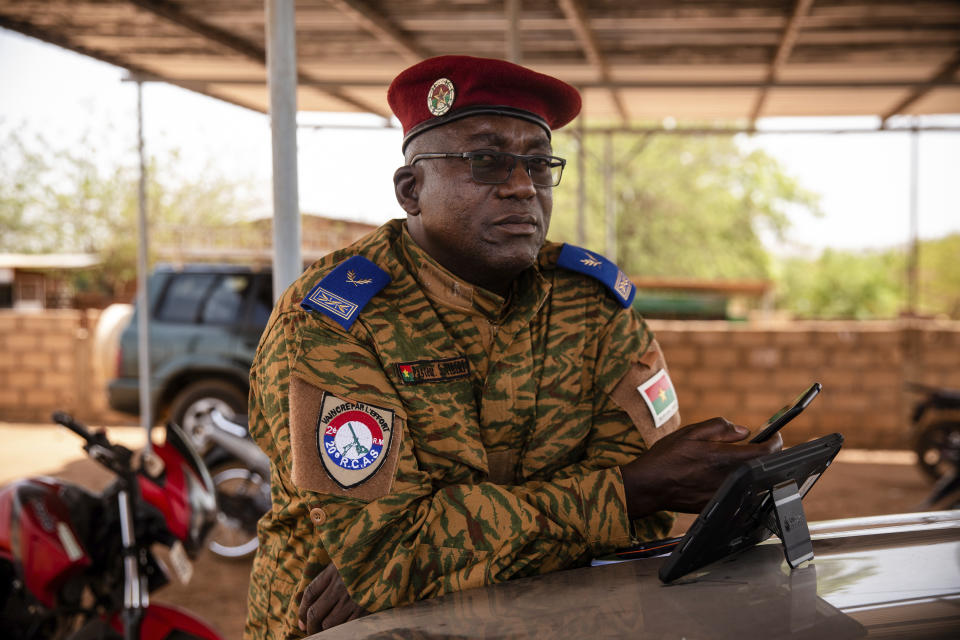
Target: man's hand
<point>682,471</point>
<point>326,603</point>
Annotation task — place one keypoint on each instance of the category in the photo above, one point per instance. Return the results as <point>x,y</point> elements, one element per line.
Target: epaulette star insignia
<point>342,293</point>
<point>582,261</point>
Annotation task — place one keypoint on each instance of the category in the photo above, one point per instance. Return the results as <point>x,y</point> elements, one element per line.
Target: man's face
<point>485,233</point>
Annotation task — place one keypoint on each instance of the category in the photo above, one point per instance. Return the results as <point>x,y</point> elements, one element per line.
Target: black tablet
<point>741,512</point>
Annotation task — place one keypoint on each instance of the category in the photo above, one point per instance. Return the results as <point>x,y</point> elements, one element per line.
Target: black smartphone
<point>787,413</point>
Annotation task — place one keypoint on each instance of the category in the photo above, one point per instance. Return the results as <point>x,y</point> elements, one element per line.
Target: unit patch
<point>352,439</point>
<point>433,370</point>
<point>661,399</point>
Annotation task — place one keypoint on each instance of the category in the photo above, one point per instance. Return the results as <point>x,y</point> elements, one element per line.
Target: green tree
<point>70,199</point>
<point>939,276</point>
<point>843,284</point>
<point>686,206</point>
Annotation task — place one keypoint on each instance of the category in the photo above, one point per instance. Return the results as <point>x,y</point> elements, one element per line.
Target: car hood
<point>886,576</point>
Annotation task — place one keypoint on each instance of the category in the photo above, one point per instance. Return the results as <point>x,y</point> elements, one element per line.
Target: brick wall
<point>744,372</point>
<point>47,363</point>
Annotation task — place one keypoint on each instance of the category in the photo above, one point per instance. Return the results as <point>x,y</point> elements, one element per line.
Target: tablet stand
<point>790,523</point>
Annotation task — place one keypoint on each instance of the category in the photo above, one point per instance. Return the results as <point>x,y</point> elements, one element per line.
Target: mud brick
<point>37,360</point>
<point>747,379</point>
<point>792,380</point>
<point>878,379</point>
<point>748,338</point>
<point>764,401</point>
<point>804,357</point>
<point>8,323</point>
<point>719,402</point>
<point>680,355</point>
<point>22,343</point>
<point>842,379</point>
<point>765,357</point>
<point>9,397</point>
<point>707,378</point>
<point>57,342</point>
<point>710,338</point>
<point>795,338</point>
<point>721,357</point>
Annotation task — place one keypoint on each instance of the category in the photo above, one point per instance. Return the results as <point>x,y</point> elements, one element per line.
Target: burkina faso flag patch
<point>660,397</point>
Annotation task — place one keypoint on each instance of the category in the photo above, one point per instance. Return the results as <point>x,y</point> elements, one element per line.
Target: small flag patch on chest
<point>660,397</point>
<point>422,371</point>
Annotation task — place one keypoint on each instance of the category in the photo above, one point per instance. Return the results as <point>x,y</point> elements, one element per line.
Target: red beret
<point>443,89</point>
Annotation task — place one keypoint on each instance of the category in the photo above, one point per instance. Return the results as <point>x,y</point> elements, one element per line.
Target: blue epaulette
<point>596,266</point>
<point>346,290</point>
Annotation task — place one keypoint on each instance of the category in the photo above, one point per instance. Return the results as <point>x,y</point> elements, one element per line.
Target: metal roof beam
<point>381,28</point>
<point>246,48</point>
<point>577,17</point>
<point>789,39</point>
<point>944,73</point>
<point>707,85</point>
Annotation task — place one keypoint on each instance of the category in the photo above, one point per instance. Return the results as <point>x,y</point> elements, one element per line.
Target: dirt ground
<point>859,483</point>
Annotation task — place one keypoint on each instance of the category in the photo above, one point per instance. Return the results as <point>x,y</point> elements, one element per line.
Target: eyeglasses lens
<point>495,168</point>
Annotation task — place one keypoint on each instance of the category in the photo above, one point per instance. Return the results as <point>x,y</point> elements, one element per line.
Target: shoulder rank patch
<point>594,265</point>
<point>346,290</point>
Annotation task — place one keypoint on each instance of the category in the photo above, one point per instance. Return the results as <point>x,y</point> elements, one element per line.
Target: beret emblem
<point>440,97</point>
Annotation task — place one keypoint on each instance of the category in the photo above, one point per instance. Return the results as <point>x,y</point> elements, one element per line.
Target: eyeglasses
<point>496,167</point>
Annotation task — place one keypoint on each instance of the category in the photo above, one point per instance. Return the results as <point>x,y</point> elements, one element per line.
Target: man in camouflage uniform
<point>451,401</point>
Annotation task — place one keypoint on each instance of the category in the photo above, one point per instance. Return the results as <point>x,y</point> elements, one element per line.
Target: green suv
<point>205,322</point>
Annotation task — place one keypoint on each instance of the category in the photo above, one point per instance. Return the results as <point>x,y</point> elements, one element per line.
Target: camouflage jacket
<point>446,439</point>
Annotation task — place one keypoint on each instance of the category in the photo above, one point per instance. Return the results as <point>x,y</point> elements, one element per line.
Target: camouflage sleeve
<point>421,537</point>
<point>624,430</point>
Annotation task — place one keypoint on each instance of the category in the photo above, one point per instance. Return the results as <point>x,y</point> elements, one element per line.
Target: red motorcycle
<point>75,565</point>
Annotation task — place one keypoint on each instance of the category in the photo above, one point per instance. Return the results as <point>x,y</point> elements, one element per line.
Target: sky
<point>863,179</point>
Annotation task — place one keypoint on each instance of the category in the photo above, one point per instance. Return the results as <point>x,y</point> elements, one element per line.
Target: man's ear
<point>405,186</point>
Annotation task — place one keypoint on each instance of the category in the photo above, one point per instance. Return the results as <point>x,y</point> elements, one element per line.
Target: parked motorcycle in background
<point>76,565</point>
<point>936,424</point>
<point>241,476</point>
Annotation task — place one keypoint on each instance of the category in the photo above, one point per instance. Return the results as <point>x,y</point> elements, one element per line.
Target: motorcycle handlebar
<point>67,420</point>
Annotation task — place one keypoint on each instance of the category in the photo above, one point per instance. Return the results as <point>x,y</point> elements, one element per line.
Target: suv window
<point>207,298</point>
<point>224,304</point>
<point>183,296</point>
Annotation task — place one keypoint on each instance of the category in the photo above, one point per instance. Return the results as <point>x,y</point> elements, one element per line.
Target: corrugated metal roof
<point>635,62</point>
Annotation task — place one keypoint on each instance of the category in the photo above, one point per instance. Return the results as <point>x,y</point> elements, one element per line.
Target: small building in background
<point>37,281</point>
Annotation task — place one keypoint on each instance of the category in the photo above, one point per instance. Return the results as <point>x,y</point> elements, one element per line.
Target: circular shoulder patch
<point>352,439</point>
<point>440,97</point>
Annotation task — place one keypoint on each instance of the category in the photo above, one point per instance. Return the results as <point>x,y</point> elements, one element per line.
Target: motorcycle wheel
<point>938,448</point>
<point>242,497</point>
<point>191,407</point>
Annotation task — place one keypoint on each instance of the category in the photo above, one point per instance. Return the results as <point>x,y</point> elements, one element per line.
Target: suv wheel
<point>192,406</point>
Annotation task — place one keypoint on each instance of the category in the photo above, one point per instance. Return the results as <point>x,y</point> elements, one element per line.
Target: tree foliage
<point>685,206</point>
<point>872,284</point>
<point>70,198</point>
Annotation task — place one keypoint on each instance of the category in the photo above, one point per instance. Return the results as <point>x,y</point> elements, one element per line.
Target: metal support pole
<point>914,255</point>
<point>143,309</point>
<point>282,80</point>
<point>581,183</point>
<point>609,200</point>
<point>513,31</point>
